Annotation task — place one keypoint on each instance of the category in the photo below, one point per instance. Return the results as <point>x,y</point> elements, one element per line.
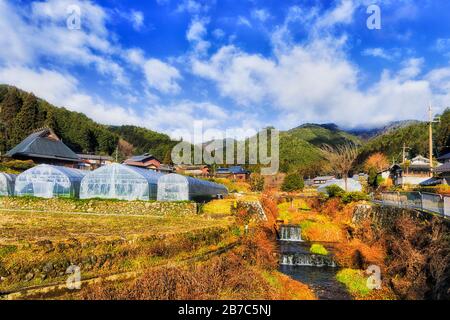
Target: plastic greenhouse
<point>7,184</point>
<point>175,187</point>
<point>352,185</point>
<point>118,181</point>
<point>47,181</point>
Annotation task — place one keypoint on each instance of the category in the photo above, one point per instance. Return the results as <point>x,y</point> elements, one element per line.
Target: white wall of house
<point>411,180</point>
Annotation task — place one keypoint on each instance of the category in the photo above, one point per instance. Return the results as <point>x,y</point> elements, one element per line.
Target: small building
<point>92,161</point>
<point>119,181</point>
<point>47,181</point>
<point>193,170</point>
<point>234,173</point>
<point>413,172</point>
<point>7,184</point>
<point>44,147</point>
<point>443,172</point>
<point>146,161</point>
<point>319,181</point>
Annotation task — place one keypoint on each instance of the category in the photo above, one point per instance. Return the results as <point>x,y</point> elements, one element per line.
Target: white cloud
<point>377,52</point>
<point>193,6</point>
<point>315,82</point>
<point>196,34</point>
<point>243,21</point>
<point>161,76</point>
<point>261,15</point>
<point>44,35</point>
<point>218,33</point>
<point>137,18</point>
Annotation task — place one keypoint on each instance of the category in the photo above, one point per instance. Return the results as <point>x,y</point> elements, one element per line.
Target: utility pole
<point>404,148</point>
<point>430,138</point>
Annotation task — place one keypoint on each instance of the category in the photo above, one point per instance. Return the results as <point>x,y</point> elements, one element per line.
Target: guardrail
<point>422,201</point>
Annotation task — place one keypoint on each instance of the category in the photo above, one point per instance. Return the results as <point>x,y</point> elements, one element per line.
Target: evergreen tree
<point>293,182</point>
<point>9,108</point>
<point>26,120</point>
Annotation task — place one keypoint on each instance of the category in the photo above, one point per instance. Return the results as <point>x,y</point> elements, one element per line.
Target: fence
<point>430,202</point>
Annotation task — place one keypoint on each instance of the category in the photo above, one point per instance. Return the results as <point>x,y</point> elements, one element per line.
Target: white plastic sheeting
<point>46,181</point>
<point>352,185</point>
<point>118,181</point>
<point>7,184</point>
<point>175,187</point>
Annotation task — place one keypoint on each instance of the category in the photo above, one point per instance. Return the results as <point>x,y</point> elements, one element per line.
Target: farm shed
<point>47,181</point>
<point>175,187</point>
<point>7,184</point>
<point>118,181</point>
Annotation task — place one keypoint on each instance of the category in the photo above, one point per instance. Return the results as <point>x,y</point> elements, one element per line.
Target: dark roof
<point>444,168</point>
<point>444,157</point>
<point>40,145</point>
<point>431,182</point>
<point>233,170</point>
<point>142,158</point>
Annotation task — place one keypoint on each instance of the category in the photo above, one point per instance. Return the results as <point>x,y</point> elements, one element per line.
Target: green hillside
<point>21,113</point>
<point>300,147</point>
<point>413,136</point>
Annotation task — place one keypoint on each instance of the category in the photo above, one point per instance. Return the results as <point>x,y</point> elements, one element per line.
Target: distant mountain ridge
<point>300,147</point>
<point>373,132</point>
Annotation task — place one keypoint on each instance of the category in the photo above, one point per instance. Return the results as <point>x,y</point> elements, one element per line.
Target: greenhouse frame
<point>7,184</point>
<point>119,181</point>
<point>175,187</point>
<point>48,181</point>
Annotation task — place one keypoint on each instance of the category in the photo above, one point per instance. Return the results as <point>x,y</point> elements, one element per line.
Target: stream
<point>316,271</point>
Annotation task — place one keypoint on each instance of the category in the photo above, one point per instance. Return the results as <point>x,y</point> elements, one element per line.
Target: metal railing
<point>423,201</point>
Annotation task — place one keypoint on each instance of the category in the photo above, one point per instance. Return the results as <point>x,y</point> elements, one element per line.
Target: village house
<point>146,161</point>
<point>234,173</point>
<point>44,147</point>
<point>414,172</point>
<point>443,171</point>
<point>193,170</point>
<point>92,161</point>
<point>318,181</point>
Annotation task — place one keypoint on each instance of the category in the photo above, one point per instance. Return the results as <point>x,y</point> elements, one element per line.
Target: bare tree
<point>341,158</point>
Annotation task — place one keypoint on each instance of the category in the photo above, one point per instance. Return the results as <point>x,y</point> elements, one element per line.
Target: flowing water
<point>317,271</point>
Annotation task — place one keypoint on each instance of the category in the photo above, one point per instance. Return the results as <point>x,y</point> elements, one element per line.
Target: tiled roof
<point>40,145</point>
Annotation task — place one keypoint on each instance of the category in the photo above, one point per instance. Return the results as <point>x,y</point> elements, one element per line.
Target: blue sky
<point>164,64</point>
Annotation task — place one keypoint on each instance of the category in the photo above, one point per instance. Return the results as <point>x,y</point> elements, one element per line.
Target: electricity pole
<point>430,138</point>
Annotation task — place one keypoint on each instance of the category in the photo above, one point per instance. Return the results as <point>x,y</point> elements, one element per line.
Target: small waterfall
<point>306,259</point>
<point>291,233</point>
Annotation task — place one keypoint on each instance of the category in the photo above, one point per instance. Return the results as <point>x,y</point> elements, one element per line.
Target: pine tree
<point>9,108</point>
<point>26,120</point>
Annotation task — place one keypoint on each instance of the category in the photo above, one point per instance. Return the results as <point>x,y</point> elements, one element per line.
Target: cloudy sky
<point>163,64</point>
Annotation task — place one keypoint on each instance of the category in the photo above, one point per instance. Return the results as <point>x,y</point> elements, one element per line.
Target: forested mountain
<point>145,140</point>
<point>21,113</point>
<point>300,148</point>
<point>414,136</point>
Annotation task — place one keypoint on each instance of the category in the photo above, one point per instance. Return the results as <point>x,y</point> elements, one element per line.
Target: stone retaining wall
<point>99,206</point>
